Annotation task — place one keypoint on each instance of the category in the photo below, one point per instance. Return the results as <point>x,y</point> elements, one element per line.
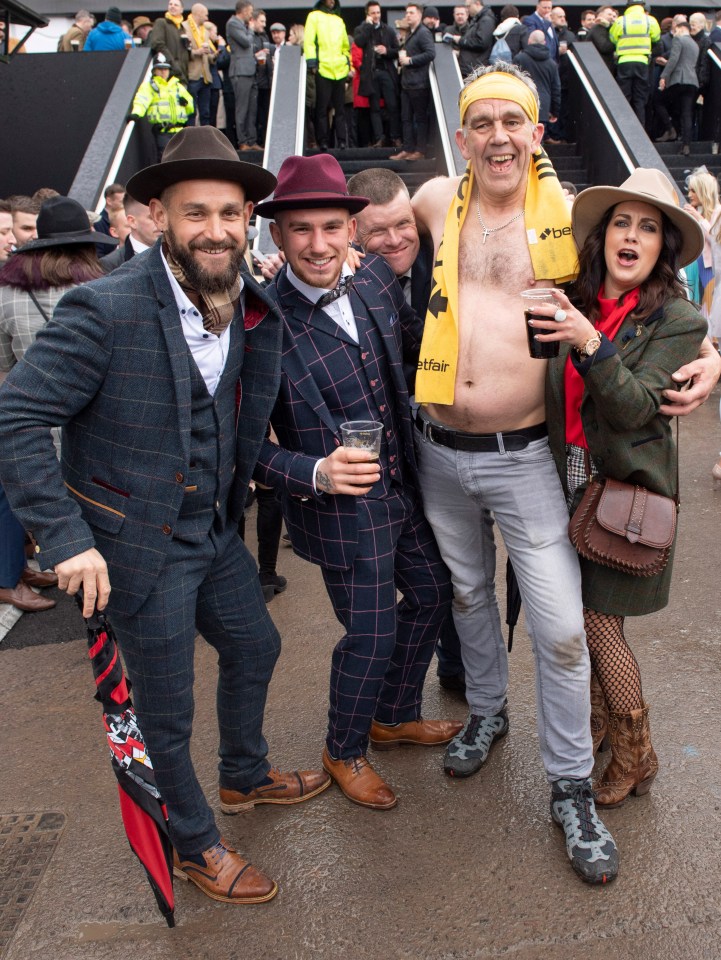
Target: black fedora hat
<point>200,153</point>
<point>308,183</point>
<point>64,221</point>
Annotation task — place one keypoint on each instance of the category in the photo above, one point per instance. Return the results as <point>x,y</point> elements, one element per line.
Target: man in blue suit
<point>145,370</point>
<point>345,341</point>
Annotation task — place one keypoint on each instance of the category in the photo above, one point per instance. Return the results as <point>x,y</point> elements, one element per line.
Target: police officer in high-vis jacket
<point>164,102</point>
<point>634,35</point>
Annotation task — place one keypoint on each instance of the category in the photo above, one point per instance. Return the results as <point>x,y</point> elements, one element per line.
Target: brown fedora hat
<point>646,185</point>
<point>63,222</point>
<point>200,153</point>
<point>308,183</point>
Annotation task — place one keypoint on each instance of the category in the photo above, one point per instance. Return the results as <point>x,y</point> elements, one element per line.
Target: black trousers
<point>330,93</point>
<point>386,89</point>
<point>635,83</point>
<point>414,107</point>
<point>675,108</point>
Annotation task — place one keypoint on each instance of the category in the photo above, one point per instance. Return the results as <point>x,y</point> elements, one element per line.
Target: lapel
<point>293,303</point>
<point>633,335</point>
<point>178,352</point>
<point>385,323</point>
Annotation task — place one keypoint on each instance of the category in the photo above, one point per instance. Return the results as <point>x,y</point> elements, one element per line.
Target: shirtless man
<point>485,447</point>
<point>482,446</point>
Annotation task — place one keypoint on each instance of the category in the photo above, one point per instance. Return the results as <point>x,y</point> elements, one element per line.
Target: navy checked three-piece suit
<point>368,546</point>
<point>154,475</point>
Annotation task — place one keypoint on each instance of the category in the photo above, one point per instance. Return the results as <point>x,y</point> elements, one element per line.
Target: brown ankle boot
<point>633,765</point>
<point>599,716</point>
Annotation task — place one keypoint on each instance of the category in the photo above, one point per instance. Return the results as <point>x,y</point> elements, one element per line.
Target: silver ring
<point>559,316</point>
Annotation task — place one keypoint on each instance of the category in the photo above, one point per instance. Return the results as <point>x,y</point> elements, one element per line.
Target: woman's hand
<point>573,328</point>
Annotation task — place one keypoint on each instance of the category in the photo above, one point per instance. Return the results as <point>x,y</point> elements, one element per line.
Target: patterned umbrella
<point>142,808</point>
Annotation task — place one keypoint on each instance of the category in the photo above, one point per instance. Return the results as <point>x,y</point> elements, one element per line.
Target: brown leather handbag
<point>624,526</point>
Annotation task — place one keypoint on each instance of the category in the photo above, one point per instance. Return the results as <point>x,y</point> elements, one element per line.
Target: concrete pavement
<point>459,870</point>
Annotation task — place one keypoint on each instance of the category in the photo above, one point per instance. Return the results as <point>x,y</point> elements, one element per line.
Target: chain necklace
<point>489,230</point>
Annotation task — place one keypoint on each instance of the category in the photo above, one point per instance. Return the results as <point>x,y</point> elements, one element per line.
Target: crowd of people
<point>372,87</point>
<point>370,312</point>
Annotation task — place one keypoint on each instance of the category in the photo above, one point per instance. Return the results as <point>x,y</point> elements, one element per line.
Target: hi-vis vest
<point>166,103</point>
<point>633,35</point>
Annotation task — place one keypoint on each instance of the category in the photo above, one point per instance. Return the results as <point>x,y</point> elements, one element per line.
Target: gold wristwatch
<point>588,348</point>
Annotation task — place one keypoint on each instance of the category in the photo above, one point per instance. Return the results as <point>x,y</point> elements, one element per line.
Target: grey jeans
<point>522,490</point>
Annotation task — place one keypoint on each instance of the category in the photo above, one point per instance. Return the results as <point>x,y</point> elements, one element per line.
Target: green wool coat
<point>627,437</point>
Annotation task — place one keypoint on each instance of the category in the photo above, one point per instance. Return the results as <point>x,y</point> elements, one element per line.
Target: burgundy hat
<point>308,183</point>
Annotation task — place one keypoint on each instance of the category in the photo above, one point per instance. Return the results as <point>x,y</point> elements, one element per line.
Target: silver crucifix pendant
<point>486,233</point>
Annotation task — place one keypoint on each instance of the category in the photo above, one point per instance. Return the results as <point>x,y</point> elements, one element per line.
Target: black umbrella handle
<point>98,621</point>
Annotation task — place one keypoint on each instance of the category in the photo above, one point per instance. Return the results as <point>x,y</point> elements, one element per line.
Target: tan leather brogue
<point>226,876</point>
<point>25,599</point>
<point>39,578</point>
<point>359,782</point>
<point>284,788</point>
<point>424,733</point>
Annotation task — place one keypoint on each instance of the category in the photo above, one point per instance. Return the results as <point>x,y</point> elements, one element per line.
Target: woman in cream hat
<point>626,327</point>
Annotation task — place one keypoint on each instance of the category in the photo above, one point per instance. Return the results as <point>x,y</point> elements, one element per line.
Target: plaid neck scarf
<point>216,309</point>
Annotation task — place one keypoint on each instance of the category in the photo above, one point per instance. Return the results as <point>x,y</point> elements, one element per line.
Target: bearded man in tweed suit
<point>144,369</point>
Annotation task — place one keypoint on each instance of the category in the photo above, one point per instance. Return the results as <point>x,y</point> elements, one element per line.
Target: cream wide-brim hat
<point>646,186</point>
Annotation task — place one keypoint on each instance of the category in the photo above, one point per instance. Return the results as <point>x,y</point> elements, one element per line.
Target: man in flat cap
<point>143,370</point>
<point>345,340</point>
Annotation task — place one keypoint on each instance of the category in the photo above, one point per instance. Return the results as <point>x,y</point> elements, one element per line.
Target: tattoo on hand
<point>323,482</point>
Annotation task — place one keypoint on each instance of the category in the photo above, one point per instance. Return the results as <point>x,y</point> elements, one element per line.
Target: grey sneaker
<point>467,752</point>
<point>589,845</point>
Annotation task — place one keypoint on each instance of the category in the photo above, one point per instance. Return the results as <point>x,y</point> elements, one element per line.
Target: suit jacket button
<point>179,477</point>
<point>167,529</point>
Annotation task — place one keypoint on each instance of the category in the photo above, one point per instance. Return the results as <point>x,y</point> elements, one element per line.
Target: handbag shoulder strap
<point>37,304</point>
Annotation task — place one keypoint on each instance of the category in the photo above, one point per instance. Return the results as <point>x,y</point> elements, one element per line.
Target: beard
<point>204,281</point>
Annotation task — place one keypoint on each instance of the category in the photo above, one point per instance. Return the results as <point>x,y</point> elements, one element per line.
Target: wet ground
<point>460,869</point>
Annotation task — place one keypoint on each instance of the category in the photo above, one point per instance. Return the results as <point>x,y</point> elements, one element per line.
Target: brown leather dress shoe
<point>292,787</point>
<point>416,155</point>
<point>359,782</point>
<point>403,155</point>
<point>424,733</point>
<point>226,876</point>
<point>23,598</point>
<point>39,578</point>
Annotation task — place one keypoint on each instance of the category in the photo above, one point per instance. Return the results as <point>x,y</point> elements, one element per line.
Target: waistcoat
<point>212,447</point>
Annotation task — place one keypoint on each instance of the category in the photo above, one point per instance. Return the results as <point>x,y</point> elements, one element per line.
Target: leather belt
<point>479,442</point>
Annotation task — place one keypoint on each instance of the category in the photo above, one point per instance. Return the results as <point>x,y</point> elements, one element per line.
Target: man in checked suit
<point>359,519</point>
<point>144,370</point>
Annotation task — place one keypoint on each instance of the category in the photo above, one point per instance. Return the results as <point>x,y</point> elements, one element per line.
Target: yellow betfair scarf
<point>548,228</point>
<point>177,20</point>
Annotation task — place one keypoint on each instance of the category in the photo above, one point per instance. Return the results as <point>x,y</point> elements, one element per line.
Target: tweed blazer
<point>323,528</point>
<point>627,437</point>
<point>242,56</point>
<point>681,66</point>
<point>21,321</point>
<point>113,368</point>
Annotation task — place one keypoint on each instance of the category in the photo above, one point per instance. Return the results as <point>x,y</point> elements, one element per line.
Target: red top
<point>609,323</point>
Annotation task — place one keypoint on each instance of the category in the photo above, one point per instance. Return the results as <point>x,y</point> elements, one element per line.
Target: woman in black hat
<point>32,281</point>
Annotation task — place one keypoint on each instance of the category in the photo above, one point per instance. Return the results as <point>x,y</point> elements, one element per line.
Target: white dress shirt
<point>339,310</point>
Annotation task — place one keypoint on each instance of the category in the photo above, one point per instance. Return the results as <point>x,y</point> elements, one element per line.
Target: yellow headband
<point>499,86</point>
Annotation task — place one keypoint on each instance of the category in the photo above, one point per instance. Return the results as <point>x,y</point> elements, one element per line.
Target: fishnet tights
<point>613,661</point>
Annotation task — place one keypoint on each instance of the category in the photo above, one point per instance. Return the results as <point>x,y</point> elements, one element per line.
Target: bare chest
<point>497,259</point>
